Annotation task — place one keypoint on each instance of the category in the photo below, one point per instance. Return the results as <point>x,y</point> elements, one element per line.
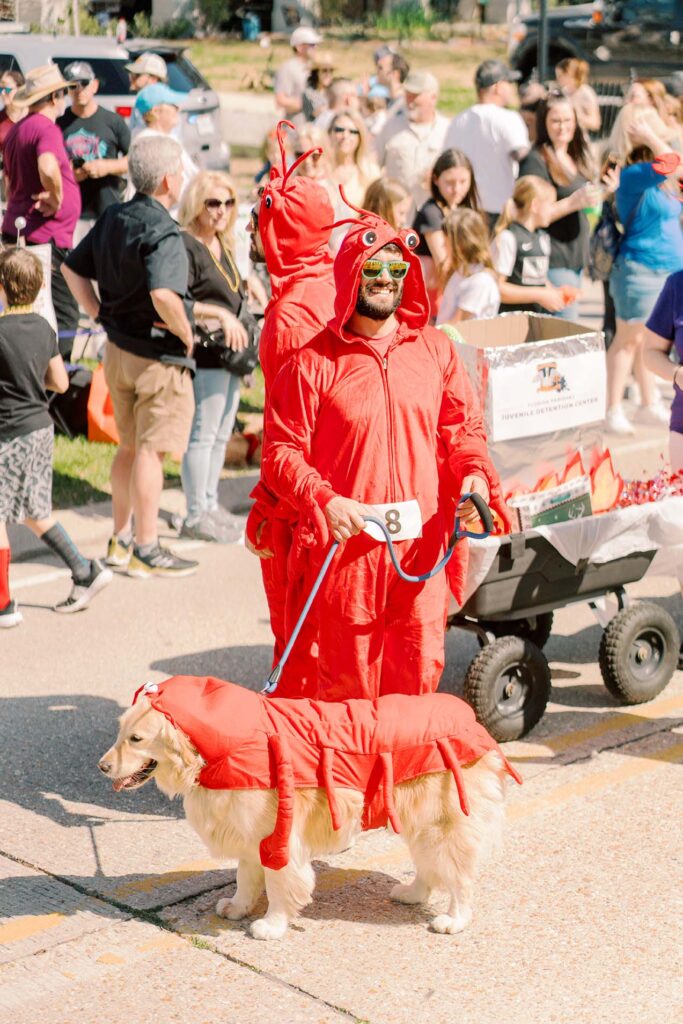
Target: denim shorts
<point>635,288</point>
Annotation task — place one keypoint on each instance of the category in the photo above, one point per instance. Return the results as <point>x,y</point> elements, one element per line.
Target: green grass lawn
<point>228,63</point>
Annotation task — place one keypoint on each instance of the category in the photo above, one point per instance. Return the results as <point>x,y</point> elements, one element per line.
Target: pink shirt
<point>34,135</point>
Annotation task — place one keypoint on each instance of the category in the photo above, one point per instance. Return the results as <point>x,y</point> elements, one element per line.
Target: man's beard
<point>255,253</point>
<point>375,309</point>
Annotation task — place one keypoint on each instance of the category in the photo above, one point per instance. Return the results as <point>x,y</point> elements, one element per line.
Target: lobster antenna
<point>350,220</point>
<point>299,160</point>
<point>279,131</point>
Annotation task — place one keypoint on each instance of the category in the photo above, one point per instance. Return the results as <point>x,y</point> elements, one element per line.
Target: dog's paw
<point>268,927</point>
<point>233,911</point>
<point>444,924</point>
<point>416,892</point>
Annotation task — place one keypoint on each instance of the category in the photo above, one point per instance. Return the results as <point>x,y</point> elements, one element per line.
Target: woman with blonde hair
<point>637,112</point>
<point>208,211</point>
<point>390,200</point>
<point>352,166</point>
<point>651,249</point>
<point>521,249</point>
<point>472,290</point>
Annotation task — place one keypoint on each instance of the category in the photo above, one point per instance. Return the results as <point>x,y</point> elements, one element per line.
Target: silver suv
<point>200,119</point>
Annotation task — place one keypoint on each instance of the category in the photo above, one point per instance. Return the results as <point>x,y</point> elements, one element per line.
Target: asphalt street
<point>107,900</point>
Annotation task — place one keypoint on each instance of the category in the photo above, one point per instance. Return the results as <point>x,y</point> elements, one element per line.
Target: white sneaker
<point>617,422</point>
<point>10,615</point>
<point>657,414</point>
<point>82,593</point>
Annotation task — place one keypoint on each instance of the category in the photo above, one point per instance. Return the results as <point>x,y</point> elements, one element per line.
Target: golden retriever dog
<point>447,847</point>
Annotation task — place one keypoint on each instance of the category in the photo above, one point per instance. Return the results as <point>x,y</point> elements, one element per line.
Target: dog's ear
<point>186,762</point>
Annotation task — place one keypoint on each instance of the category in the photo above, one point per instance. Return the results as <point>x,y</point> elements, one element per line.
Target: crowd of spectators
<point>503,197</point>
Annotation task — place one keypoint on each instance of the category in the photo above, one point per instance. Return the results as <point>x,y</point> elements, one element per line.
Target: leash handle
<point>484,514</point>
<point>458,533</point>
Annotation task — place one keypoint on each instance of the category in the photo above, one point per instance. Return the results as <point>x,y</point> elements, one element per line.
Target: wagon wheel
<point>508,685</point>
<point>639,653</point>
<point>537,628</point>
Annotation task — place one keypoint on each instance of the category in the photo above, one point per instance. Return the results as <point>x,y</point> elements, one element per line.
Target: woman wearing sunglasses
<point>352,165</point>
<point>10,114</point>
<point>208,211</point>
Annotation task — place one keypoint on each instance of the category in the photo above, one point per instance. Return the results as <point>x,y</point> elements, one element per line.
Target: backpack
<point>606,240</point>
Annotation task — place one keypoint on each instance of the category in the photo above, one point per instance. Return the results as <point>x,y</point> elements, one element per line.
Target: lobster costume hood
<point>383,424</point>
<point>294,222</point>
<point>249,741</point>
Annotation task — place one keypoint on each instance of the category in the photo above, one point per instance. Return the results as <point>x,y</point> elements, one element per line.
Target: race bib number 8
<point>402,519</point>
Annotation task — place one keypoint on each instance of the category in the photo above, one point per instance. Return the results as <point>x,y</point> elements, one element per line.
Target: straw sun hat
<point>40,82</point>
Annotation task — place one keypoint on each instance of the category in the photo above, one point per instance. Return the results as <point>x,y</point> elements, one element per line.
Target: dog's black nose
<point>104,766</point>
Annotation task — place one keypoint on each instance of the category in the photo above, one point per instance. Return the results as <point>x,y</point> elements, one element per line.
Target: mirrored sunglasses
<point>7,88</point>
<point>216,204</point>
<point>80,83</point>
<point>373,268</point>
<point>338,130</point>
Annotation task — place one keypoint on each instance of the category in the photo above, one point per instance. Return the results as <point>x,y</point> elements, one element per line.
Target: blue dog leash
<point>458,533</point>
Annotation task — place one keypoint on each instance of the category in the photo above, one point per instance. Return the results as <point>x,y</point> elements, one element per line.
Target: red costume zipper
<point>390,427</point>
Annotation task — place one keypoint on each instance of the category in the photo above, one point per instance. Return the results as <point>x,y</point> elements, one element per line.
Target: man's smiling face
<point>379,297</point>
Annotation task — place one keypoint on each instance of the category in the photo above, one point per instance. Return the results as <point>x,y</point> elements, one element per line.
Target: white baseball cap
<point>149,64</point>
<point>304,35</point>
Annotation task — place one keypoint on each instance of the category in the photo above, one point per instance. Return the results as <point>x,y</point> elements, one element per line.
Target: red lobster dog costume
<point>249,741</point>
<point>294,222</point>
<point>344,419</point>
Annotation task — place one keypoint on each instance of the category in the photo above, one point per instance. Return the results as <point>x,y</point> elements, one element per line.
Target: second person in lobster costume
<point>290,229</point>
<point>377,410</point>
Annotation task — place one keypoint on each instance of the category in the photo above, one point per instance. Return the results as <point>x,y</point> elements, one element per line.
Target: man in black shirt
<point>136,255</point>
<point>97,141</point>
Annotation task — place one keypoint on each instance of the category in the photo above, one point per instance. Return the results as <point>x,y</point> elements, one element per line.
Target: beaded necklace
<point>233,286</point>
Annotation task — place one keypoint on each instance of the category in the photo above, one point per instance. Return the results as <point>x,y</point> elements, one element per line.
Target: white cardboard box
<point>542,383</point>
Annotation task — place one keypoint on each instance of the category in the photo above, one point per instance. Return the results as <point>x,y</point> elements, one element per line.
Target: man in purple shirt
<point>664,332</point>
<point>41,186</point>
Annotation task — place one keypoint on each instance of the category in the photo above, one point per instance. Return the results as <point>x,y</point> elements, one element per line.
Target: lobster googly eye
<point>369,237</point>
<point>411,239</point>
<point>268,201</point>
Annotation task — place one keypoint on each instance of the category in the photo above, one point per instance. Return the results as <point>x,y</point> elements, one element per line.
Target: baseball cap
<point>149,64</point>
<point>491,71</point>
<point>153,95</point>
<point>79,71</point>
<point>304,35</point>
<point>421,81</point>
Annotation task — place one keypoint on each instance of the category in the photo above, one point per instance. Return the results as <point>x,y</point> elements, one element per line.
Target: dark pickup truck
<point>620,39</point>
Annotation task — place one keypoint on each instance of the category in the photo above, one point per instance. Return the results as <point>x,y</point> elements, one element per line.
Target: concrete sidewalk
<point>107,901</point>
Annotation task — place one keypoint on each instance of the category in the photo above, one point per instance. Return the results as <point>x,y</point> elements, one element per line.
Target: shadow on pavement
<point>247,666</point>
<point>64,893</point>
<point>51,747</point>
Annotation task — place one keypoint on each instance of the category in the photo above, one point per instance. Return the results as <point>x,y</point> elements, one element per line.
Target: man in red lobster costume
<point>376,410</point>
<point>249,741</point>
<point>291,227</point>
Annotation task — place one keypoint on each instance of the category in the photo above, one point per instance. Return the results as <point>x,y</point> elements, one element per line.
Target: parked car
<point>200,115</point>
<point>620,39</point>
